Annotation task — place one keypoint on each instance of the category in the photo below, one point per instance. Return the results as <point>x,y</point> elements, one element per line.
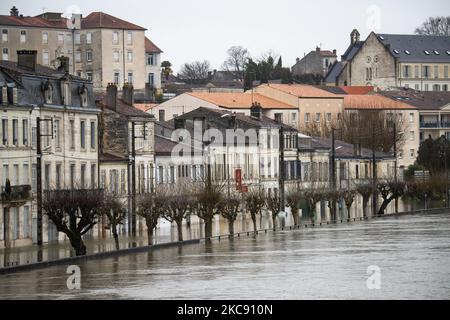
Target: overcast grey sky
<point>205,29</point>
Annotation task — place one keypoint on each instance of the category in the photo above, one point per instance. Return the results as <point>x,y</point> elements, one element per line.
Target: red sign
<point>238,179</point>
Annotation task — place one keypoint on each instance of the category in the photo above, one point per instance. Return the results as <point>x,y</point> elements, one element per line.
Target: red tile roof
<point>32,22</point>
<point>373,102</point>
<point>240,100</point>
<point>357,89</point>
<point>104,20</point>
<point>151,47</point>
<point>145,106</point>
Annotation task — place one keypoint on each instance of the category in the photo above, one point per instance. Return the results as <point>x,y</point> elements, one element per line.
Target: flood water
<point>329,262</point>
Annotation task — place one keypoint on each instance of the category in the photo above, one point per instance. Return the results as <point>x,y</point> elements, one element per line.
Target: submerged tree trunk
<point>274,223</point>
<point>295,216</point>
<point>365,203</point>
<point>349,213</point>
<point>208,228</point>
<point>180,230</point>
<point>255,228</point>
<point>384,206</point>
<point>78,245</point>
<point>231,227</point>
<point>150,235</point>
<point>116,237</point>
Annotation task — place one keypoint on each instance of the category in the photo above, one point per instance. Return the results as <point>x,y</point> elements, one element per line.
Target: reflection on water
<point>330,262</point>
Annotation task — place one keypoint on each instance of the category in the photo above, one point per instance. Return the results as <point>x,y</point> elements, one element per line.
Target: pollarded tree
<point>313,196</point>
<point>333,197</point>
<point>151,207</point>
<point>179,206</point>
<point>209,199</point>
<point>366,191</point>
<point>229,209</point>
<point>293,199</point>
<point>273,203</point>
<point>349,198</point>
<point>255,201</point>
<point>389,191</point>
<point>74,213</point>
<point>114,209</point>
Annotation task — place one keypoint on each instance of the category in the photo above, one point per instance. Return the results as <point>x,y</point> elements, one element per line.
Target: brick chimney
<point>128,94</point>
<point>27,59</point>
<point>111,96</point>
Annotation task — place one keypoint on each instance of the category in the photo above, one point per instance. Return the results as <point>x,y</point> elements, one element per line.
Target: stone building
<point>100,47</point>
<point>316,62</point>
<point>388,60</point>
<point>66,108</point>
<point>118,119</point>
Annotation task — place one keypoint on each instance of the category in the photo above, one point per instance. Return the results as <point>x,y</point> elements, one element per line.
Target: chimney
<point>128,94</point>
<point>335,52</point>
<point>63,64</point>
<point>27,59</point>
<point>111,96</point>
<point>180,123</point>
<point>232,121</point>
<point>354,36</point>
<point>14,12</point>
<point>298,59</point>
<point>317,49</point>
<point>256,111</point>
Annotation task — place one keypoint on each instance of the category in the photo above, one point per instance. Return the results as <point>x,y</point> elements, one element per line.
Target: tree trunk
<point>78,245</point>
<point>274,223</point>
<point>384,206</point>
<point>180,230</point>
<point>349,213</point>
<point>150,235</point>
<point>208,228</point>
<point>295,216</point>
<point>365,203</point>
<point>116,237</point>
<point>231,227</point>
<point>255,228</point>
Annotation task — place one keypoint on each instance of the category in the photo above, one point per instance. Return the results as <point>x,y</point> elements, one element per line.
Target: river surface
<point>331,262</point>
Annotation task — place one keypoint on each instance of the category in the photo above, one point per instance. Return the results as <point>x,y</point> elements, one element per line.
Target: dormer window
<point>83,91</point>
<point>47,89</point>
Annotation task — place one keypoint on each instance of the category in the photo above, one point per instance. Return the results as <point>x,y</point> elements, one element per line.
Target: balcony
<point>434,124</point>
<point>17,197</point>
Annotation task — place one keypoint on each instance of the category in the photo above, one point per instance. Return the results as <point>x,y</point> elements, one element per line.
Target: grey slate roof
<point>416,46</point>
<point>334,72</point>
<point>423,100</point>
<point>352,50</point>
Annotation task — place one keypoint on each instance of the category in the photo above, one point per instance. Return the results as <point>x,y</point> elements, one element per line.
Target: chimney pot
<point>27,59</point>
<point>334,51</point>
<point>128,94</point>
<point>111,96</point>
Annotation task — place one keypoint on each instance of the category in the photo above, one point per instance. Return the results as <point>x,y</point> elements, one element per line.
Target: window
<point>15,224</point>
<point>411,117</point>
<point>23,36</point>
<point>317,117</point>
<point>89,56</point>
<point>44,37</point>
<point>151,78</point>
<point>60,38</point>
<point>412,153</point>
<point>102,179</point>
<point>78,56</point>
<point>58,176</point>
<point>116,77</point>
<point>116,56</point>
<point>416,71</point>
<point>72,176</point>
<point>411,136</point>
<point>25,132</point>
<point>69,39</point>
<point>45,58</point>
<point>57,134</point>
<point>436,52</point>
<point>4,35</point>
<point>83,176</point>
<point>406,72</point>
<point>427,87</point>
<point>5,132</point>
<point>130,56</point>
<point>436,87</point>
<point>15,180</point>
<point>129,37</point>
<point>26,222</point>
<point>436,72</point>
<point>89,76</point>
<point>123,181</point>
<point>426,72</point>
<point>160,175</point>
<point>130,77</point>
<point>444,87</point>
<point>150,59</point>
<point>93,135</point>
<point>26,174</point>
<point>77,38</point>
<point>83,134</point>
<point>115,37</point>
<point>307,117</point>
<point>416,87</point>
<point>294,117</point>
<point>15,127</point>
<point>88,38</point>
<point>93,175</point>
<point>72,133</point>
<point>47,177</point>
<point>5,55</point>
<point>328,117</point>
<point>34,177</point>
<point>446,72</point>
<point>396,51</point>
<point>407,52</point>
<point>427,52</point>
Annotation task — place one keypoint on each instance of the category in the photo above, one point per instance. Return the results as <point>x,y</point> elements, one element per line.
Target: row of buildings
<point>103,140</point>
<point>99,47</point>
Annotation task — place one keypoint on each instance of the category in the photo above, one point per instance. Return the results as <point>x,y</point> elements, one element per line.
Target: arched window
<point>47,90</point>
<point>83,91</point>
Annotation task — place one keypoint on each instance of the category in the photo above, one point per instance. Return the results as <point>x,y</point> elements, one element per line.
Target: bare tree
<point>314,195</point>
<point>229,209</point>
<point>349,198</point>
<point>273,203</point>
<point>293,199</point>
<point>74,213</point>
<point>151,207</point>
<point>435,26</point>
<point>179,206</point>
<point>333,197</point>
<point>366,190</point>
<point>255,203</point>
<point>209,199</point>
<point>389,191</point>
<point>196,71</point>
<point>114,209</point>
<point>235,62</point>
